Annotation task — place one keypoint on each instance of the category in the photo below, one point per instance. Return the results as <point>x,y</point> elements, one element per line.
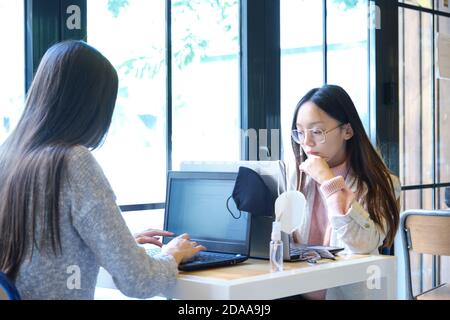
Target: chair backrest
<point>8,290</point>
<point>424,232</point>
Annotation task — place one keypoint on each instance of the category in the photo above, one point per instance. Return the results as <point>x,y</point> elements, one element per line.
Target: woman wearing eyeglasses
<point>352,196</point>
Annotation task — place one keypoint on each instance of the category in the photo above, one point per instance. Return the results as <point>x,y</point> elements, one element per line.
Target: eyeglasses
<point>317,135</point>
<point>310,256</point>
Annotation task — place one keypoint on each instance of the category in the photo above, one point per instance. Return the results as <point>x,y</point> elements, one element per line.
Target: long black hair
<point>70,102</point>
<point>365,163</point>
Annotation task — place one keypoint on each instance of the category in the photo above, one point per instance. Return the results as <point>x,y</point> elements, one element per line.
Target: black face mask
<point>252,195</point>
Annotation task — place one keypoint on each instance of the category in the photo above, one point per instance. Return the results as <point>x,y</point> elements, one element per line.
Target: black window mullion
<point>169,83</point>
<point>260,70</point>
<point>435,265</point>
<point>387,84</point>
<point>420,104</point>
<point>45,26</point>
<point>42,30</point>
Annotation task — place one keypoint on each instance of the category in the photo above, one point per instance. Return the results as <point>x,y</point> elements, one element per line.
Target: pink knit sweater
<point>334,198</point>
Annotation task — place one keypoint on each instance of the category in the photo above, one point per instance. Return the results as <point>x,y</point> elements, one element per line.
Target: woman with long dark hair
<point>58,217</point>
<point>352,196</point>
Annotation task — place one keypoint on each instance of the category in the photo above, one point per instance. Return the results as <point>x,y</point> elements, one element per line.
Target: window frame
<point>435,186</point>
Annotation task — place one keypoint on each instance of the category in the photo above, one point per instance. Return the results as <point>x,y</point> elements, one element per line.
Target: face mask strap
<point>290,185</point>
<point>278,184</point>
<point>240,212</point>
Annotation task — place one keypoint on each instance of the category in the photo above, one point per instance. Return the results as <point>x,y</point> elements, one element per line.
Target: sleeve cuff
<point>168,258</point>
<point>332,186</point>
<point>356,213</point>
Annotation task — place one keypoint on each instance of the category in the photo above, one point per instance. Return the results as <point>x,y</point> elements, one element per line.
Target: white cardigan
<point>355,231</point>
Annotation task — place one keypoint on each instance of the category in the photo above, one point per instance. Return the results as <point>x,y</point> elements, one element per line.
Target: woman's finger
<point>156,232</point>
<point>184,236</point>
<point>150,240</point>
<point>200,248</point>
<point>303,167</point>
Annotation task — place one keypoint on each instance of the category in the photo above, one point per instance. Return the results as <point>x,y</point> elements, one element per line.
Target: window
<point>304,64</point>
<point>204,90</point>
<point>443,104</point>
<point>416,92</point>
<point>138,221</point>
<point>301,58</point>
<point>205,81</point>
<point>131,34</point>
<point>424,125</point>
<point>443,132</point>
<point>12,65</point>
<point>348,51</point>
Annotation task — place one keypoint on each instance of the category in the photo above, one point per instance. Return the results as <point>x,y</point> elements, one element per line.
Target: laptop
<point>273,174</point>
<point>196,203</point>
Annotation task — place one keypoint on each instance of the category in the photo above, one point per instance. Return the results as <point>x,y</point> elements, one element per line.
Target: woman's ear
<point>348,131</point>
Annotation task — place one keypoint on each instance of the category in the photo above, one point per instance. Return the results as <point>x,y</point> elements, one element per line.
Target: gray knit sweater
<point>93,234</point>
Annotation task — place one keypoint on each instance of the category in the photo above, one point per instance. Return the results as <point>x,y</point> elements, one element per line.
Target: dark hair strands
<point>70,102</point>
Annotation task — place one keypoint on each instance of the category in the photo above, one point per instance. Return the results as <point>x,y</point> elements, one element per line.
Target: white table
<point>253,280</point>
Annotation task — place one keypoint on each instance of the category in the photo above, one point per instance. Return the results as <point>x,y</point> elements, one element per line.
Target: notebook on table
<point>196,203</point>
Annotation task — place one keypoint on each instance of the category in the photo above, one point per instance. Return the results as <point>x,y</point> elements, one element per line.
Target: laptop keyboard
<point>210,256</point>
<point>202,256</point>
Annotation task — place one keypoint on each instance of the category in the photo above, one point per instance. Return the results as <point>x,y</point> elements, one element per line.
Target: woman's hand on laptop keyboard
<point>181,248</point>
<point>151,236</point>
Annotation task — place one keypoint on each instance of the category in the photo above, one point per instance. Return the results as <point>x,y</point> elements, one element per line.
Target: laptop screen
<point>196,204</point>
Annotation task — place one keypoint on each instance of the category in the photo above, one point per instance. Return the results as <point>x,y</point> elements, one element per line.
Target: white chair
<point>425,232</point>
